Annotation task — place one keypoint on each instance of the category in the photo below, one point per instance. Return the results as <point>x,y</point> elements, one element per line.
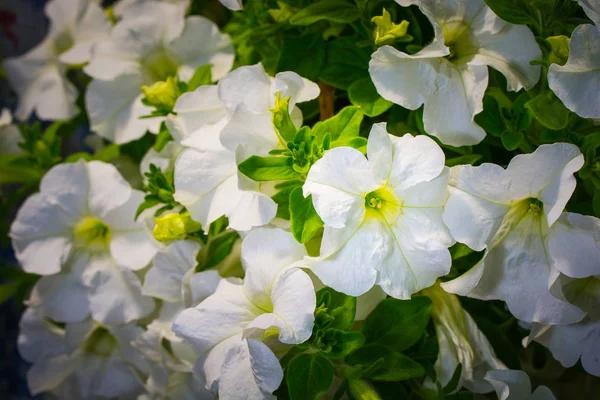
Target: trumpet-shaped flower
<point>228,328</point>
<point>382,215</point>
<point>10,136</point>
<point>515,385</point>
<point>449,76</point>
<point>91,360</point>
<point>39,76</point>
<point>207,181</point>
<point>515,215</point>
<point>151,43</point>
<point>577,82</point>
<point>249,95</point>
<point>460,342</point>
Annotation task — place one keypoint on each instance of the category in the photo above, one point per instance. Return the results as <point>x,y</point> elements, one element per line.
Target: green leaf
<point>10,174</point>
<point>309,376</point>
<point>341,307</point>
<point>397,324</point>
<point>219,248</point>
<point>303,218</point>
<point>108,153</point>
<point>549,111</point>
<point>454,381</point>
<point>345,124</point>
<point>163,137</point>
<point>149,202</point>
<point>202,76</point>
<point>490,118</point>
<point>362,93</point>
<point>466,159</point>
<point>346,63</point>
<point>511,140</point>
<point>345,343</point>
<point>82,155</point>
<point>394,367</point>
<point>362,390</point>
<point>338,11</point>
<point>8,290</point>
<point>263,169</point>
<point>282,197</point>
<point>513,11</point>
<point>304,55</point>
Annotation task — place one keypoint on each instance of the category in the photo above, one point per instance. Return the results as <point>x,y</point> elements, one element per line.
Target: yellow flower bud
<point>560,49</point>
<point>174,227</point>
<point>162,94</point>
<point>386,31</point>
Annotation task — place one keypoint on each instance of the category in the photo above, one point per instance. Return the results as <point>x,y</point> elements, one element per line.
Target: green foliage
<point>16,283</point>
<point>309,376</point>
<point>379,363</point>
<point>363,94</point>
<point>272,168</point>
<point>202,76</point>
<point>549,111</point>
<point>159,191</point>
<point>304,219</point>
<point>339,11</point>
<point>304,55</point>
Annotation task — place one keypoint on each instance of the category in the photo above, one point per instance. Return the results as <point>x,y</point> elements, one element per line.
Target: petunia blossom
<point>449,76</point>
<point>228,328</point>
<point>39,76</point>
<point>152,42</point>
<point>382,215</point>
<point>84,360</point>
<point>10,135</point>
<point>515,385</point>
<point>515,216</point>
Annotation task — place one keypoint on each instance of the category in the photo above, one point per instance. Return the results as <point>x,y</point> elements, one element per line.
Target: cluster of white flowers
<point>117,313</point>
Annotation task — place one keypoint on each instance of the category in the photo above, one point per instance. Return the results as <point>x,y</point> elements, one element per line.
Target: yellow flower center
<point>92,234</point>
<point>159,65</point>
<point>100,342</point>
<point>458,38</point>
<point>62,42</point>
<point>383,203</point>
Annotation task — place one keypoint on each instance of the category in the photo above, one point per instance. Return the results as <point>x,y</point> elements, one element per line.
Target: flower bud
<point>174,227</point>
<point>386,32</point>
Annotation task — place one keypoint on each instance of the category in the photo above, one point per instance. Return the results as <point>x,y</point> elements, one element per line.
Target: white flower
<point>450,75</point>
<point>592,9</point>
<point>207,180</point>
<point>383,216</point>
<point>38,76</point>
<point>152,42</point>
<point>515,385</point>
<point>78,232</point>
<point>120,7</point>
<point>248,95</point>
<point>228,327</point>
<point>514,215</point>
<point>460,342</point>
<point>576,83</point>
<point>94,360</point>
<point>165,159</point>
<point>10,136</point>
<point>234,5</point>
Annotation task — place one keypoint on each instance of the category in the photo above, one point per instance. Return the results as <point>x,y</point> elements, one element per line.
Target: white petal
<point>290,84</point>
<point>573,244</point>
<point>202,285</point>
<point>591,9</point>
<point>38,338</point>
<point>380,152</point>
<point>546,174</point>
<point>577,82</point>
<point>66,185</point>
<point>479,199</point>
<point>338,182</point>
<point>252,130</point>
<point>48,374</point>
<point>265,254</point>
<point>367,302</point>
<point>215,48</point>
<point>510,384</point>
<point>199,108</point>
<point>253,209</point>
<point>249,85</point>
<point>115,294</point>
<point>234,5</point>
<point>115,108</point>
<point>108,190</point>
<point>352,268</point>
<point>165,279</point>
<point>165,159</point>
<point>41,236</point>
<point>250,372</point>
<point>517,270</point>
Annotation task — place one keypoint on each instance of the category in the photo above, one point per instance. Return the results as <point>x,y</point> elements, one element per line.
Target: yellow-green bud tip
<point>162,94</point>
<point>560,49</point>
<point>386,31</point>
<point>174,227</point>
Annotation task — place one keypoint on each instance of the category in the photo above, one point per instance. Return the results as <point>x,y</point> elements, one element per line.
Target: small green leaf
<point>338,11</point>
<point>395,366</point>
<point>82,155</point>
<point>304,55</point>
<point>341,307</point>
<point>8,290</point>
<point>202,76</point>
<point>511,140</point>
<point>549,111</point>
<point>346,63</point>
<point>282,197</point>
<point>397,324</point>
<point>263,169</point>
<point>362,93</point>
<point>490,118</point>
<point>309,376</point>
<point>345,343</point>
<point>108,153</point>
<point>466,159</point>
<point>513,11</point>
<point>219,248</point>
<point>149,202</point>
<point>303,218</point>
<point>344,125</point>
<point>10,174</point>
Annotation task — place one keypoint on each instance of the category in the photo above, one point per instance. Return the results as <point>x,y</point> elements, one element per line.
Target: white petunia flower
<point>382,215</point>
<point>38,76</point>
<point>515,215</point>
<point>249,95</point>
<point>152,42</point>
<point>120,7</point>
<point>227,329</point>
<point>515,385</point>
<point>92,359</point>
<point>460,342</point>
<point>10,136</point>
<point>234,5</point>
<point>78,232</point>
<point>450,75</point>
<point>207,180</point>
<point>577,83</point>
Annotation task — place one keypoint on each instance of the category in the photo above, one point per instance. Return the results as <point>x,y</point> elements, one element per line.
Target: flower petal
<point>108,190</point>
<point>249,85</point>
